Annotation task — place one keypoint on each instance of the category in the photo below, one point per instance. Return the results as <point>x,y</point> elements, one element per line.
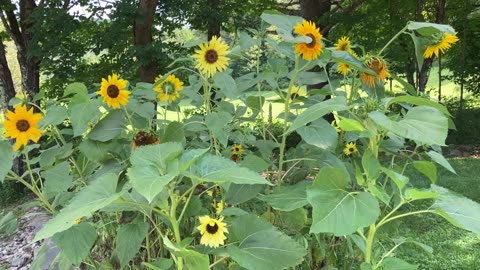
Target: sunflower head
<point>378,65</point>
<point>114,91</point>
<point>343,68</point>
<point>334,124</point>
<point>440,43</point>
<point>343,44</point>
<point>144,138</point>
<point>168,89</point>
<point>212,231</point>
<point>296,92</point>
<point>211,57</point>
<point>22,125</point>
<point>237,149</point>
<point>312,49</point>
<point>350,148</point>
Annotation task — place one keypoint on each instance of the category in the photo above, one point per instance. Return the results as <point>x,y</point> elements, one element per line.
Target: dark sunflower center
<point>294,95</point>
<point>143,138</point>
<point>237,149</point>
<point>211,56</point>
<point>168,88</point>
<point>113,91</point>
<point>343,47</point>
<point>212,229</point>
<point>351,149</point>
<point>313,42</point>
<point>23,125</point>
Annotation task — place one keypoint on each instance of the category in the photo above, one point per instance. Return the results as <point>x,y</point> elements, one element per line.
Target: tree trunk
<point>143,37</point>
<point>214,24</point>
<point>313,9</point>
<point>29,66</point>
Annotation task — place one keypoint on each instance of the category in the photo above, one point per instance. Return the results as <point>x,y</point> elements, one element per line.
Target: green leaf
<point>76,242</point>
<point>320,134</point>
<point>49,156</point>
<point>347,124</point>
<point>218,123</point>
<point>458,210</point>
<point>255,102</point>
<point>57,180</point>
<point>289,197</point>
<point>82,111</point>
<point>189,157</point>
<point>427,168</point>
<point>262,246</point>
<point>227,85</point>
<point>55,115</point>
<point>440,159</point>
<point>6,159</point>
<point>148,181</point>
<point>192,259</point>
<point>422,124</point>
<point>156,155</point>
<point>218,169</point>
<point>284,24</point>
<point>336,210</point>
<point>173,133</point>
<point>380,193</point>
<point>254,163</point>
<point>109,127</point>
<point>413,194</point>
<point>159,264</point>
<point>75,88</point>
<point>295,220</point>
<point>347,58</point>
<point>96,150</point>
<point>318,110</point>
<point>128,241</point>
<point>428,29</point>
<point>408,87</point>
<point>246,41</point>
<point>8,223</point>
<point>399,179</point>
<point>419,101</point>
<point>371,166</point>
<point>241,193</point>
<point>91,198</point>
<point>397,264</point>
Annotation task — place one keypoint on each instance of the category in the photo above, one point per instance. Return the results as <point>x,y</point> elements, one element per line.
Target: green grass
<point>453,248</point>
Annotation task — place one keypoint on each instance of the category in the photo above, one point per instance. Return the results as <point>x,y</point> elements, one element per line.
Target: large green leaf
<point>96,150</point>
<point>419,101</point>
<point>241,193</point>
<point>57,180</point>
<point>82,111</point>
<point>227,85</point>
<point>6,159</point>
<point>262,246</point>
<point>76,242</point>
<point>427,168</point>
<point>109,127</point>
<point>336,210</point>
<point>440,159</point>
<point>458,210</point>
<point>149,181</point>
<point>192,259</point>
<point>423,124</point>
<point>397,264</point>
<point>218,123</point>
<point>173,133</point>
<point>55,115</point>
<point>75,88</point>
<point>318,110</point>
<point>49,156</point>
<point>289,197</point>
<point>428,29</point>
<point>347,58</point>
<point>156,155</point>
<point>128,241</point>
<point>8,223</point>
<point>320,134</point>
<point>284,24</point>
<point>91,198</point>
<point>217,169</point>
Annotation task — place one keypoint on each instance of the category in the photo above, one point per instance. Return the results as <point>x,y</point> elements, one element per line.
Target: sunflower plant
<point>130,186</point>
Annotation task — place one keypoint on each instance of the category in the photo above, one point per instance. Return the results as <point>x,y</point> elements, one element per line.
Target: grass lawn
<point>453,248</point>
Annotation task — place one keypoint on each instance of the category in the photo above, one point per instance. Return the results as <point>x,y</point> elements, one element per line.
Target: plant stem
<point>285,124</point>
<point>405,215</point>
<point>369,243</point>
<point>175,227</point>
<point>35,191</point>
<point>393,38</point>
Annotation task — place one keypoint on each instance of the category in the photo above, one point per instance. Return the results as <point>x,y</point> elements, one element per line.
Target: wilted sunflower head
<point>440,43</point>
<point>378,65</point>
<point>212,231</point>
<point>114,91</point>
<point>168,89</point>
<point>312,49</point>
<point>144,138</point>
<point>22,125</point>
<point>211,57</point>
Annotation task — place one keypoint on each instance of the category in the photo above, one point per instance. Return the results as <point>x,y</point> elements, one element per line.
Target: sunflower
<point>237,149</point>
<point>379,66</point>
<point>22,125</point>
<point>212,231</point>
<point>311,50</point>
<point>144,138</point>
<point>334,124</point>
<point>219,207</point>
<point>343,44</point>
<point>350,148</point>
<point>441,44</point>
<point>297,92</point>
<point>211,57</point>
<point>343,68</point>
<point>168,89</point>
<point>113,91</point>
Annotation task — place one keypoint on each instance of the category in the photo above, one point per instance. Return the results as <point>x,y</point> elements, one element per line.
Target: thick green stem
<point>369,243</point>
<point>32,187</point>
<point>175,227</point>
<point>393,38</point>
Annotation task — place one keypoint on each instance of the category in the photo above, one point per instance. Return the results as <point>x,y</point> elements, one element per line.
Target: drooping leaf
<point>428,29</point>
<point>57,180</point>
<point>289,197</point>
<point>91,198</point>
<point>458,210</point>
<point>109,127</point>
<point>347,124</point>
<point>128,241</point>
<point>262,246</point>
<point>440,159</point>
<point>334,209</point>
<point>284,24</point>
<point>173,133</point>
<point>6,159</point>
<point>419,101</point>
<point>8,223</point>
<point>76,242</point>
<point>75,88</point>
<point>427,168</point>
